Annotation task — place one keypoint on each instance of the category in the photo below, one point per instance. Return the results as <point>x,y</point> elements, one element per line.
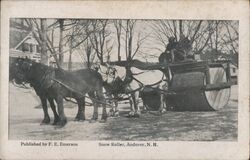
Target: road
<point>25,118</point>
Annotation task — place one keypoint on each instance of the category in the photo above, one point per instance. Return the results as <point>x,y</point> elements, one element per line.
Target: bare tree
<point>40,33</point>
<point>99,37</point>
<point>232,36</point>
<point>43,35</point>
<point>129,35</point>
<point>118,27</point>
<point>202,34</point>
<point>70,54</point>
<point>88,50</point>
<point>60,49</point>
<point>201,41</point>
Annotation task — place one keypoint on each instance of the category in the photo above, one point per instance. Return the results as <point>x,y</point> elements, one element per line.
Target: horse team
<point>55,84</point>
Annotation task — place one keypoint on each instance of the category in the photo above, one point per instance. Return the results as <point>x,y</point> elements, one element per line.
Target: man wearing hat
<point>168,55</point>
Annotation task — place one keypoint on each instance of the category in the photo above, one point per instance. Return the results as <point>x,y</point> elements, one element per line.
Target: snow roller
<point>199,86</point>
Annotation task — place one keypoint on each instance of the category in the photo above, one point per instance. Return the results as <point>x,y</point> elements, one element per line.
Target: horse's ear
<point>96,68</point>
<point>114,71</point>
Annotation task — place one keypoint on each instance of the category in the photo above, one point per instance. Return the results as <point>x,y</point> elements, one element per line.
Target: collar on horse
<point>47,78</point>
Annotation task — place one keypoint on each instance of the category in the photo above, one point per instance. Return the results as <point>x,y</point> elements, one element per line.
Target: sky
<point>150,48</point>
<point>147,48</point>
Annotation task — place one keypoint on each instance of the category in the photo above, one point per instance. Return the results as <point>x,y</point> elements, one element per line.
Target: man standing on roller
<point>168,55</point>
<point>177,51</point>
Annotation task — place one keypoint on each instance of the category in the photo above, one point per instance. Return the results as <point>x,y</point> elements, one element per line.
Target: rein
<point>21,85</point>
<point>150,84</point>
<point>70,100</point>
<point>82,95</point>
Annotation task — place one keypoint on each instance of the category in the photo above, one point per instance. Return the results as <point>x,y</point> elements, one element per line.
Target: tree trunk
<point>196,31</point>
<point>130,47</point>
<point>175,31</point>
<point>88,52</point>
<point>44,55</point>
<point>216,36</point>
<point>180,30</point>
<point>70,56</point>
<point>119,50</point>
<point>118,26</point>
<point>126,39</point>
<point>61,22</point>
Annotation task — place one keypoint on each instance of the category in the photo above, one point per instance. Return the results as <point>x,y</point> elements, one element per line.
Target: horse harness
<point>47,78</point>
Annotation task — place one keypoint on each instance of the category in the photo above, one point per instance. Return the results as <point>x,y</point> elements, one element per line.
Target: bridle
<point>24,67</point>
<point>110,72</point>
<point>21,71</point>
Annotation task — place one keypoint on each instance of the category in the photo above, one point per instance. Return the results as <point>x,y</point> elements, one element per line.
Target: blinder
<point>108,73</point>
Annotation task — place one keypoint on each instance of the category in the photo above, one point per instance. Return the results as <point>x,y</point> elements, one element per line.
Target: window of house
<point>25,47</point>
<point>31,48</point>
<point>234,70</point>
<point>38,49</point>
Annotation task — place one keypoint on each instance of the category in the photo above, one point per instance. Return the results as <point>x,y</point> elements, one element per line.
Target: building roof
<point>16,36</point>
<point>28,39</point>
<point>20,33</point>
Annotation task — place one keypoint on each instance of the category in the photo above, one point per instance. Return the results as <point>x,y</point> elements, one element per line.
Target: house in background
<point>22,43</point>
<point>218,55</point>
<point>234,73</point>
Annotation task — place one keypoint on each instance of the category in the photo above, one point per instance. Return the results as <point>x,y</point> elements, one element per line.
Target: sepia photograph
<point>97,79</point>
<point>124,79</point>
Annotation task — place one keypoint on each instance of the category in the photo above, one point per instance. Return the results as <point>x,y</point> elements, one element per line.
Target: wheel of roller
<point>190,95</point>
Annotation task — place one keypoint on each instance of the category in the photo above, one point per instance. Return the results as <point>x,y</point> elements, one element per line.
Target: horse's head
<point>108,72</point>
<point>20,70</point>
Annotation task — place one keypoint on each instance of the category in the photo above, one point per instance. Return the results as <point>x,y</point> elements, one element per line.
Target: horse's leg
<point>111,101</point>
<point>95,105</point>
<point>135,100</point>
<point>132,107</point>
<point>46,118</point>
<point>81,109</point>
<point>144,109</point>
<point>145,106</point>
<point>101,98</point>
<point>53,107</point>
<point>163,107</point>
<point>116,113</point>
<point>162,101</point>
<point>62,117</point>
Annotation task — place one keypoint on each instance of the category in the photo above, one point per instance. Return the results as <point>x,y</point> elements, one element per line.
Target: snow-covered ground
<point>25,118</point>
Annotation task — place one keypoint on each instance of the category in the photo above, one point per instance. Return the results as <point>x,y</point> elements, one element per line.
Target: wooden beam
<point>228,72</point>
<point>218,86</point>
<point>207,75</point>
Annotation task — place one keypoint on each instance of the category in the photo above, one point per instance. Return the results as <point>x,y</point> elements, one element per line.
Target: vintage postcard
<point>124,80</point>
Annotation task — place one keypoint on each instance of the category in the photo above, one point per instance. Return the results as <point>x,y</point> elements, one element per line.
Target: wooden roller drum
<point>199,91</point>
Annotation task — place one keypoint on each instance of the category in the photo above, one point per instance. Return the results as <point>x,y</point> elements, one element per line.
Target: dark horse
<point>57,84</point>
<point>39,91</point>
